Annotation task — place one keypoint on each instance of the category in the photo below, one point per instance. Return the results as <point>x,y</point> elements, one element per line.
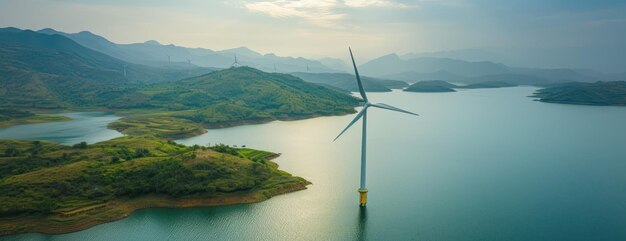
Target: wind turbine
<point>188,61</point>
<point>169,60</point>
<point>235,64</point>
<point>363,114</point>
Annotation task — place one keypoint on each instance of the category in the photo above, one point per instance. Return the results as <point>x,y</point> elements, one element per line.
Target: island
<point>575,93</point>
<point>431,86</point>
<point>443,86</point>
<point>51,188</point>
<point>488,85</point>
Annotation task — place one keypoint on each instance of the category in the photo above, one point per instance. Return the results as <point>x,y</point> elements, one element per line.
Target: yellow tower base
<point>363,199</point>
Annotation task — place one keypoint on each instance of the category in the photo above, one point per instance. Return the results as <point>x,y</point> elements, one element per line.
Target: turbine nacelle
<point>363,111</point>
<point>366,103</point>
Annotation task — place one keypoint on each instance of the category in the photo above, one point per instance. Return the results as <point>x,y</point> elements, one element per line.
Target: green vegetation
<point>44,184</point>
<point>598,93</point>
<point>17,117</point>
<point>159,125</point>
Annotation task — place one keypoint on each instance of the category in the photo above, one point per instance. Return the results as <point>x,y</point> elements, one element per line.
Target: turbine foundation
<point>363,197</point>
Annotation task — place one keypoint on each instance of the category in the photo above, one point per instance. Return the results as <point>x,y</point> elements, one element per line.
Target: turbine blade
<point>356,118</point>
<point>388,107</point>
<point>358,78</point>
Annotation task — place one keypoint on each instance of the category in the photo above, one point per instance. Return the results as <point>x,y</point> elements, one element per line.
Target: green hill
<point>229,97</point>
<point>598,93</point>
<point>51,71</point>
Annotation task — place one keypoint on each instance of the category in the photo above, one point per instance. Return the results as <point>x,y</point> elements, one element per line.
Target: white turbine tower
<point>363,114</point>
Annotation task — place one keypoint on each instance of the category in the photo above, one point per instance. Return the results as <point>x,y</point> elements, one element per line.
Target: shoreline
<point>60,223</point>
<point>35,119</point>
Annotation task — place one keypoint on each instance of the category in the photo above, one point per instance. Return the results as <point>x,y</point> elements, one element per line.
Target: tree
<point>142,152</point>
<point>11,151</point>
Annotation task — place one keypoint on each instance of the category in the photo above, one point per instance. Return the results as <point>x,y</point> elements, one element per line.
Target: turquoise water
<point>89,127</point>
<point>486,164</point>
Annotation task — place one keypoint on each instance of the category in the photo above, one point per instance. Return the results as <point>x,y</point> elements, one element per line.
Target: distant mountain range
<point>413,68</point>
<point>166,62</point>
<point>604,58</point>
<point>153,53</point>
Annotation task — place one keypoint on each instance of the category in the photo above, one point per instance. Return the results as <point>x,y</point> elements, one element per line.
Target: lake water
<point>89,127</point>
<point>488,164</point>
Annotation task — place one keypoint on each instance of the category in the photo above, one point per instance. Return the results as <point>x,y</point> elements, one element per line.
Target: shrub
<point>82,145</point>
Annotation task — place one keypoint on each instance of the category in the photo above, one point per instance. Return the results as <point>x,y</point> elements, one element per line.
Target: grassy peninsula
<point>431,86</point>
<point>9,117</point>
<point>51,188</point>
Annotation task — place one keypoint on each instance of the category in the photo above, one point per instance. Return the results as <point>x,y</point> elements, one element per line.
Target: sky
<point>324,28</point>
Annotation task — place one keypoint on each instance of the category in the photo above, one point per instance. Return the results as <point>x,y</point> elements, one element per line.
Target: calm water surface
<point>485,164</point>
<point>89,127</point>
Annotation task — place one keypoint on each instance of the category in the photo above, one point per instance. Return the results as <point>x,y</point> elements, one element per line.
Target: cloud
<point>323,13</point>
<point>317,12</point>
<point>372,3</point>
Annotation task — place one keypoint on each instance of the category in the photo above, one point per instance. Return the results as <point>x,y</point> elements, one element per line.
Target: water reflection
<point>90,127</point>
<point>362,224</point>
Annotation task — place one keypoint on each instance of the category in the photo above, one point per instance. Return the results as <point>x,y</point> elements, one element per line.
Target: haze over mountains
<point>153,53</point>
<point>412,69</point>
<point>147,57</point>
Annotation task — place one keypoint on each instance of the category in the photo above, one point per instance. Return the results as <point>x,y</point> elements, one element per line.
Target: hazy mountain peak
<point>47,31</point>
<point>244,51</point>
<point>390,56</point>
<point>152,42</point>
<point>86,33</point>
